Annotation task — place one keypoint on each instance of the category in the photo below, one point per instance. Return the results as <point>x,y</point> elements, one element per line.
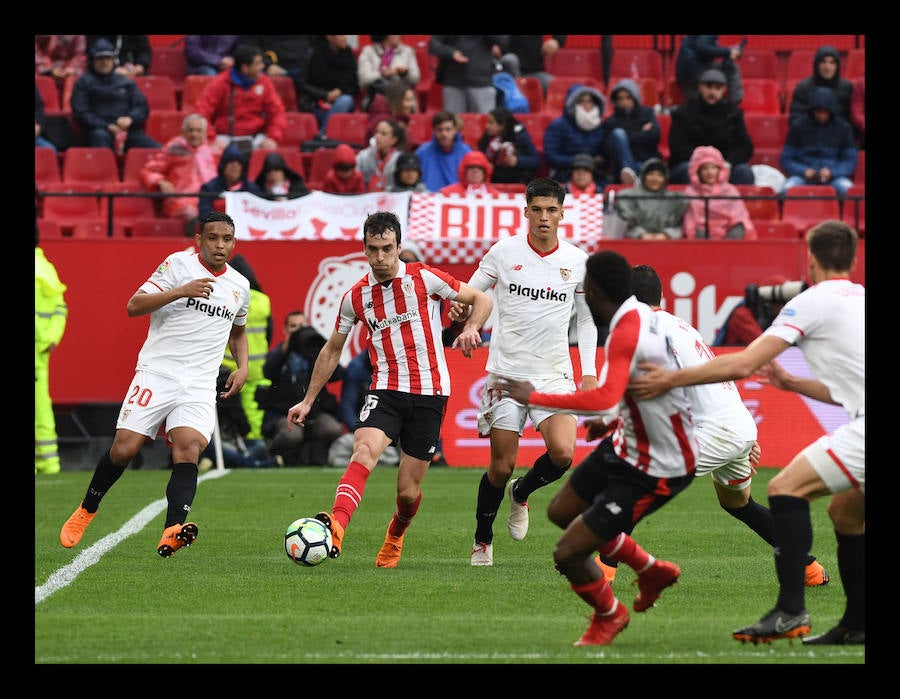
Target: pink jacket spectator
<point>723,213</point>
<point>257,109</point>
<point>187,168</point>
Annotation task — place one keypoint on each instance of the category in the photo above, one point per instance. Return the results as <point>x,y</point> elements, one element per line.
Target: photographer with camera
<point>761,304</point>
<point>288,366</point>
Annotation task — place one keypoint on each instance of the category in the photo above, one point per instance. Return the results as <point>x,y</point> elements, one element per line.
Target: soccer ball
<point>307,541</point>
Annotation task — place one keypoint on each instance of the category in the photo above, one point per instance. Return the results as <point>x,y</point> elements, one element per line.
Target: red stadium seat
<point>68,210</point>
<point>134,161</point>
<point>158,228</point>
<point>665,125</point>
<point>164,124</point>
<point>348,127</point>
<point>767,131</point>
<point>170,61</point>
<point>759,63</point>
<point>49,230</point>
<point>759,209</point>
<point>321,164</point>
<point>856,64</point>
<point>193,86</point>
<point>46,168</point>
<point>159,91</point>
<point>46,85</point>
<point>96,229</point>
<point>284,84</point>
<point>473,127</point>
<point>419,130</point>
<point>807,205</point>
<point>853,210</point>
<point>533,91</point>
<point>775,230</point>
<point>126,210</point>
<point>95,166</point>
<point>761,96</point>
<point>575,63</point>
<point>536,123</point>
<point>301,126</point>
<point>637,63</point>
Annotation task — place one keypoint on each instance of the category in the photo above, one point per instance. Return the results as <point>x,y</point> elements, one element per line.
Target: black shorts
<point>412,421</point>
<point>621,495</point>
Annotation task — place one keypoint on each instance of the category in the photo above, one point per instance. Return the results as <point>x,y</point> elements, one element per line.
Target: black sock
<point>851,556</point>
<point>489,499</point>
<point>180,492</point>
<point>759,519</point>
<point>106,473</point>
<point>542,473</point>
<point>793,540</point>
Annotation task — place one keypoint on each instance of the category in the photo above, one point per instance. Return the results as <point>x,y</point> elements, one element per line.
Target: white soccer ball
<point>307,541</point>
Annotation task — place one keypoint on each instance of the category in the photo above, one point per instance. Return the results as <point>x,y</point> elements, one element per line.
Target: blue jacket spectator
<point>232,177</point>
<point>631,133</point>
<point>576,130</point>
<point>441,155</point>
<point>820,147</point>
<point>209,54</point>
<point>102,98</point>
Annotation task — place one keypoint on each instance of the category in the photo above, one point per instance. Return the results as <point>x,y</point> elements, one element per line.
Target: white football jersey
<point>711,403</point>
<point>534,295</point>
<point>657,435</point>
<point>188,337</point>
<point>828,323</point>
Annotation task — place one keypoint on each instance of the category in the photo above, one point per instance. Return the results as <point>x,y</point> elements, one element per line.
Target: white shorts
<point>153,399</point>
<point>503,413</point>
<point>724,456</point>
<point>840,457</point>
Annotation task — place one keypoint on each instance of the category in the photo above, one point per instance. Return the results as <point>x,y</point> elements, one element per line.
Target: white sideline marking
<point>84,560</point>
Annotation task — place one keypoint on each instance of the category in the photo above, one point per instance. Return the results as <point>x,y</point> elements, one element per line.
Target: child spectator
<point>183,165</point>
<point>474,177</point>
<point>582,181</point>
<point>278,182</point>
<point>408,175</point>
<point>378,161</point>
<point>232,177</point>
<point>656,218</point>
<point>441,155</point>
<point>631,133</point>
<point>715,219</point>
<point>344,177</point>
<point>819,147</point>
<point>509,147</point>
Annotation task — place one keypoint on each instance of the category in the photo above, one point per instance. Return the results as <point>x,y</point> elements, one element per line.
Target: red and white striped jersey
<point>657,435</point>
<point>403,318</point>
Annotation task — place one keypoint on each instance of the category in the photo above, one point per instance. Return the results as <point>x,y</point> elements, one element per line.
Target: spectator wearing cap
<point>576,130</point>
<point>582,181</point>
<point>475,172</point>
<point>110,108</point>
<point>708,119</point>
<point>344,177</point>
<point>650,211</point>
<point>408,175</point>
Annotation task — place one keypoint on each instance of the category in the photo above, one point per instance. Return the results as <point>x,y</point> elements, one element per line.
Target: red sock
<point>626,550</point>
<point>403,516</point>
<point>598,594</point>
<point>349,492</point>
